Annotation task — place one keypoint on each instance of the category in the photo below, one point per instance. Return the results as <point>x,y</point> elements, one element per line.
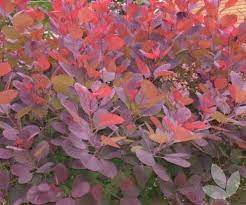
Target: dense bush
<point>119,103</point>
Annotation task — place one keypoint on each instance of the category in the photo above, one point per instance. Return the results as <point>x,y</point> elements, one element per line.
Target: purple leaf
<point>160,69</point>
<point>182,115</point>
<point>129,201</point>
<point>59,127</point>
<point>145,157</point>
<point>23,172</point>
<point>5,153</point>
<point>61,173</point>
<point>80,188</point>
<point>142,174</point>
<point>42,194</point>
<point>179,155</point>
<point>70,150</point>
<point>90,162</point>
<point>219,202</point>
<point>107,168</point>
<point>46,168</point>
<point>11,134</point>
<point>87,101</point>
<point>66,201</point>
<point>4,180</point>
<point>161,172</point>
<point>178,161</point>
<point>30,131</point>
<point>194,193</point>
<point>72,109</point>
<point>97,192</point>
<point>41,150</point>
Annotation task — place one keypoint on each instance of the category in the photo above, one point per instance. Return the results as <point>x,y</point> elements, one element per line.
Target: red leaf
<point>142,67</point>
<point>220,83</point>
<point>103,92</point>
<point>194,125</point>
<point>43,63</point>
<point>5,68</point>
<point>115,43</point>
<point>108,119</point>
<point>85,15</point>
<point>7,96</point>
<point>230,3</point>
<point>228,20</point>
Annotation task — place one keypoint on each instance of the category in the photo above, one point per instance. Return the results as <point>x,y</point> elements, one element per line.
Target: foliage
<point>108,103</point>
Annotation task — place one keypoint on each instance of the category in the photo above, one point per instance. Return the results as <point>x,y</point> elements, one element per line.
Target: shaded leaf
<point>145,157</point>
<point>80,188</point>
<point>161,172</point>
<point>66,201</point>
<point>60,173</point>
<point>178,161</point>
<point>5,153</point>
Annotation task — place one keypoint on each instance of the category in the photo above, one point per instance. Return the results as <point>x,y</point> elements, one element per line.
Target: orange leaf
<point>158,137</point>
<point>197,125</point>
<point>21,21</point>
<point>5,68</point>
<point>43,63</point>
<point>111,141</point>
<point>183,135</point>
<point>237,94</point>
<point>7,96</point>
<point>220,83</point>
<point>85,15</point>
<point>205,44</point>
<point>156,122</point>
<point>115,43</point>
<point>108,119</point>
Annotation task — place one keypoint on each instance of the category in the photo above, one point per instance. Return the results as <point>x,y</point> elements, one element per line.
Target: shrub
<point>115,102</point>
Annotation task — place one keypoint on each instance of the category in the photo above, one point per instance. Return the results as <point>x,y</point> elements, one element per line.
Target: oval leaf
<point>215,192</point>
<point>145,157</point>
<point>233,184</point>
<point>218,176</point>
<point>7,96</point>
<point>5,68</point>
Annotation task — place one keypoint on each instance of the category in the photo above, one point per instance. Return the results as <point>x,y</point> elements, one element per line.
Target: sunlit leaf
<point>7,96</point>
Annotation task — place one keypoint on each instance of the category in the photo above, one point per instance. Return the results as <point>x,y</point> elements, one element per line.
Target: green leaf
<point>215,192</point>
<point>233,183</point>
<point>218,176</point>
<point>62,82</point>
